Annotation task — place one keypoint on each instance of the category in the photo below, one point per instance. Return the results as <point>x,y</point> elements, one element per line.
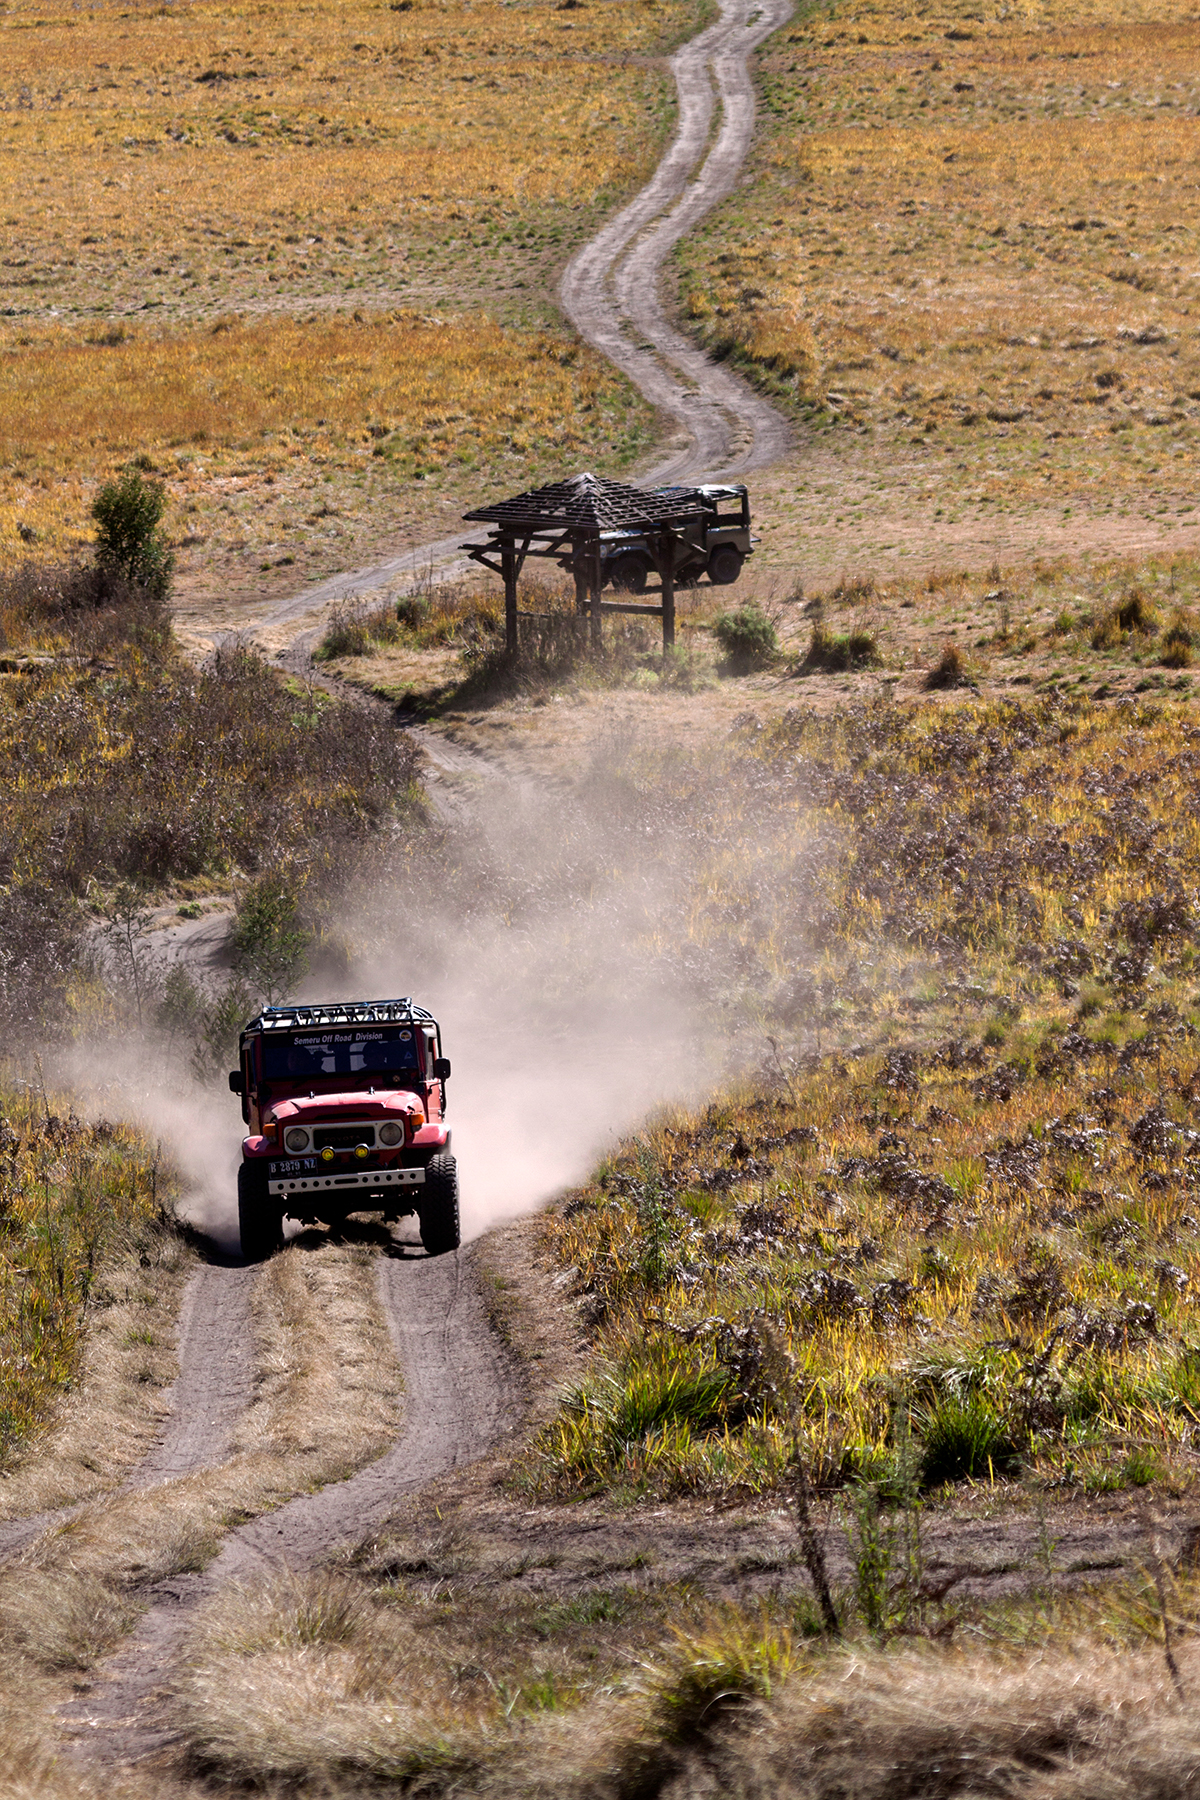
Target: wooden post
<point>579,567</point>
<point>508,563</point>
<point>666,569</point>
<point>594,583</point>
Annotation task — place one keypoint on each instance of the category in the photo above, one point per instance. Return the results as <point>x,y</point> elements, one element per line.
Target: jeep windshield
<point>388,1053</point>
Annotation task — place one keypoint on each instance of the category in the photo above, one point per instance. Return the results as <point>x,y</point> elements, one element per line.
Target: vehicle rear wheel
<point>725,564</point>
<point>437,1208</point>
<point>260,1218</point>
<point>628,574</point>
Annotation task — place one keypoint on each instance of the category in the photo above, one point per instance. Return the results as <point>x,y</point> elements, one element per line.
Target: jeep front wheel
<point>437,1208</point>
<point>260,1218</point>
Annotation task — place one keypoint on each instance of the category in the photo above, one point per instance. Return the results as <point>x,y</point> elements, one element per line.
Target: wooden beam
<point>594,576</point>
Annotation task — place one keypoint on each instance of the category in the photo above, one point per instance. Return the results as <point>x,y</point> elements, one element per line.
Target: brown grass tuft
<point>950,670</point>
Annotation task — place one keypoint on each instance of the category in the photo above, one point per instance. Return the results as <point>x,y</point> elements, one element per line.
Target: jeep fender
<point>432,1138</point>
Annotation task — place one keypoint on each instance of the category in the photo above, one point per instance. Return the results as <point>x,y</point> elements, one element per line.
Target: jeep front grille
<point>342,1137</point>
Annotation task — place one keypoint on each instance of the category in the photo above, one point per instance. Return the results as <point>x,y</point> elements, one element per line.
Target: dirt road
<point>610,290</point>
<point>459,1400</point>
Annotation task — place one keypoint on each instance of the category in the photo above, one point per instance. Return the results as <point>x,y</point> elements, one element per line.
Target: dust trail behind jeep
<point>345,1104</point>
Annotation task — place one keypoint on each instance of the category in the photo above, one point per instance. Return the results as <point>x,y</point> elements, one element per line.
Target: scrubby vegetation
<point>985,1234</point>
<point>122,764</point>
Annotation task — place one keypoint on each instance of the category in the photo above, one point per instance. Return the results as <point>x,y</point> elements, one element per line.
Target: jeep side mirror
<point>441,1068</point>
<point>236,1084</point>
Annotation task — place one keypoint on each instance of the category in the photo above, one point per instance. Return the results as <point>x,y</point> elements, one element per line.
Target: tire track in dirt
<point>459,1400</point>
<point>208,1396</point>
<point>610,288</point>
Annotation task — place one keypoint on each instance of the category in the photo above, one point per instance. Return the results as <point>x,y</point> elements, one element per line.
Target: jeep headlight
<point>391,1134</point>
<point>362,1151</point>
<point>327,1154</point>
<point>296,1138</point>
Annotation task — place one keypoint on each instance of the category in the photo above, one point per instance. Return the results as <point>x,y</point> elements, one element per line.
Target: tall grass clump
<point>834,652</point>
<point>71,1193</point>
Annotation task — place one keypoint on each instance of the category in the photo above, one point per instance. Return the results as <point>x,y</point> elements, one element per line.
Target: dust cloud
<point>549,951</point>
<point>557,936</point>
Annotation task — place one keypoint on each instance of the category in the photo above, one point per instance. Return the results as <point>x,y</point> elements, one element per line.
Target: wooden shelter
<point>566,522</point>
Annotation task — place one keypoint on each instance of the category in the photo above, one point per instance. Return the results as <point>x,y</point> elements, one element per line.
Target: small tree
<point>270,940</point>
<point>130,541</point>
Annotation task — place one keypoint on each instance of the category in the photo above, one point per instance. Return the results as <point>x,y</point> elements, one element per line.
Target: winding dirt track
<point>610,292</point>
<point>610,288</point>
<point>459,1399</point>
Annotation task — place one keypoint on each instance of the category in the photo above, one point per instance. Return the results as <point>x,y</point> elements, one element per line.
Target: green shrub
<point>964,1439</point>
<point>270,941</point>
<point>834,652</point>
<point>130,542</point>
<point>747,636</point>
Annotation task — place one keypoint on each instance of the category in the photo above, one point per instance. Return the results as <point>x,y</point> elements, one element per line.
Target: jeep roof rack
<point>338,1012</point>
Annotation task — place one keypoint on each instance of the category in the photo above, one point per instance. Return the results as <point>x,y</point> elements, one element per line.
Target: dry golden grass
<point>181,167</point>
<point>325,1683</point>
<point>113,1407</point>
<point>81,1208</point>
<point>250,424</point>
<point>990,227</point>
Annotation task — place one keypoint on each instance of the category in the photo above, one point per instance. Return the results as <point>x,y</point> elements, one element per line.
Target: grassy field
<point>966,255</point>
<point>188,200</point>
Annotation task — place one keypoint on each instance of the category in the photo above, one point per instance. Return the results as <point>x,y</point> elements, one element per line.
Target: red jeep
<point>344,1105</point>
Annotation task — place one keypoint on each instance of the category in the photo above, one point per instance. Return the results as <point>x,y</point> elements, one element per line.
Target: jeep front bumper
<point>373,1180</point>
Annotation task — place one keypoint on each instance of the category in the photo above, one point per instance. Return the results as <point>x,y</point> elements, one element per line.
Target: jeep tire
<point>628,573</point>
<point>725,564</point>
<point>260,1217</point>
<point>437,1207</point>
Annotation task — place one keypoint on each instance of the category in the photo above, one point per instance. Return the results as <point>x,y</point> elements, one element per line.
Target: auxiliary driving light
<point>327,1154</point>
<point>362,1150</point>
<point>391,1133</point>
<point>295,1139</point>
